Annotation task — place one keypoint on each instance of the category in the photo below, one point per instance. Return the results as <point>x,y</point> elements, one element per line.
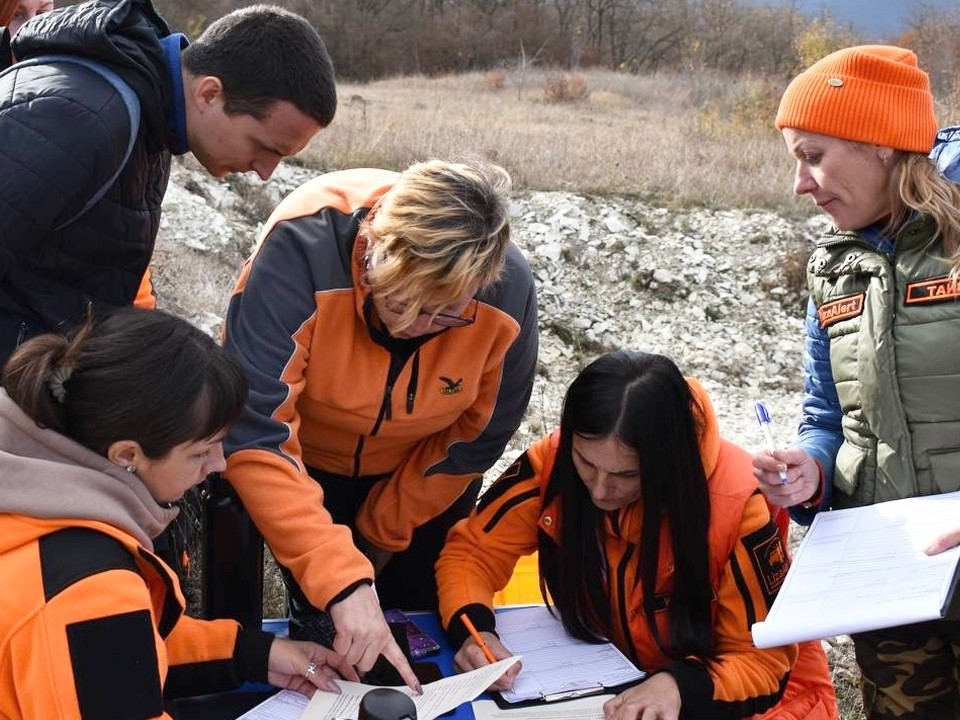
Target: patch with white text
<point>837,310</point>
<point>942,289</point>
<point>769,559</point>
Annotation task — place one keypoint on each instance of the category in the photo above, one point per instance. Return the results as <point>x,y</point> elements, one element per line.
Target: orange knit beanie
<point>871,93</point>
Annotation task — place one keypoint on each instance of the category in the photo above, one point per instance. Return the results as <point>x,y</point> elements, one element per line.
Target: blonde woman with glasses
<point>388,327</point>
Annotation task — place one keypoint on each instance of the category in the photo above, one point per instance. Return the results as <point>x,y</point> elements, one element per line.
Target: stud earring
<point>130,469</point>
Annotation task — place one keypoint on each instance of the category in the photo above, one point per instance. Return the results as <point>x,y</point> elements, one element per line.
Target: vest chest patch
<point>942,289</point>
<point>837,310</point>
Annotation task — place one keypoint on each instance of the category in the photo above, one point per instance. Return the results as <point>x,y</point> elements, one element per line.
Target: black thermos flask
<point>386,704</point>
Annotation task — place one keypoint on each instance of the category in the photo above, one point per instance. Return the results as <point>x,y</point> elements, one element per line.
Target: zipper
<point>385,412</point>
<point>414,380</point>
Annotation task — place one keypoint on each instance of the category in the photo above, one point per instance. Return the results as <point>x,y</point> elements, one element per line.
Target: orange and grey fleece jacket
<point>747,565</point>
<point>91,621</point>
<point>324,393</point>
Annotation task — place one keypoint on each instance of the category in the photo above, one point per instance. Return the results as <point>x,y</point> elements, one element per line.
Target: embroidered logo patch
<point>834,312</point>
<point>768,559</point>
<point>932,291</point>
<point>451,387</point>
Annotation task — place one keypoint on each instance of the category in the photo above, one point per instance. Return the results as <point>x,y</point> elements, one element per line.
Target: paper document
<point>285,705</point>
<point>864,569</point>
<point>590,708</point>
<point>555,665</point>
<point>438,697</point>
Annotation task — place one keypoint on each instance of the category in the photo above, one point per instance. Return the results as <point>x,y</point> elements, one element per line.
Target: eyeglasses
<point>467,317</point>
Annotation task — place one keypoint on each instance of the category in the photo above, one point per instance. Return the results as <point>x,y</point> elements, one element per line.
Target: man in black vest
<point>255,87</point>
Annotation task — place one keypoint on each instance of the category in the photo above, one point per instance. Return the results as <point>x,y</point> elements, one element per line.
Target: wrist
<point>817,497</point>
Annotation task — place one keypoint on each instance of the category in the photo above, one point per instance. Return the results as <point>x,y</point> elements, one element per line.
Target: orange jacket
<point>93,626</point>
<point>321,394</point>
<point>748,563</point>
<point>145,297</point>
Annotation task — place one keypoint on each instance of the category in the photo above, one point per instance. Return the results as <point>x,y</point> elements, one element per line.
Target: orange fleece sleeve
<point>286,505</point>
<point>72,651</point>
<point>742,676</point>
<point>482,550</point>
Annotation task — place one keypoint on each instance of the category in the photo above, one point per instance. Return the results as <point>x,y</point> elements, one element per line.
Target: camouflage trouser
<point>910,671</point>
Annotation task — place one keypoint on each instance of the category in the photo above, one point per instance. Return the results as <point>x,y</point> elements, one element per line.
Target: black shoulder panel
<point>72,554</point>
<point>520,470</point>
<point>115,667</point>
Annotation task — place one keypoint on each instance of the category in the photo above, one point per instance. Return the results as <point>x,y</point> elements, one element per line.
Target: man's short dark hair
<point>263,54</point>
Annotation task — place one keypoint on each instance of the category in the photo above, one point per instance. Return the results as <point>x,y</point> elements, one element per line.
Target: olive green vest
<point>894,328</point>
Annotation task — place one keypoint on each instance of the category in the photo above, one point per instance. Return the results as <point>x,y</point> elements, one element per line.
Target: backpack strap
<point>130,101</point>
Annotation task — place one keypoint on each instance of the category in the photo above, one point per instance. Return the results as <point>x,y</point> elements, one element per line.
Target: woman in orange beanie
<point>881,416</point>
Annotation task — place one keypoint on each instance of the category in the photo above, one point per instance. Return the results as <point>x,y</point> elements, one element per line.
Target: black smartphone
<point>384,674</point>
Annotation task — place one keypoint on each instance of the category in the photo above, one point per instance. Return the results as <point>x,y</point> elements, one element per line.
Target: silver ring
<point>311,670</point>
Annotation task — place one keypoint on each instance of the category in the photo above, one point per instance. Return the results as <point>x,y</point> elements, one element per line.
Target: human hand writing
<point>803,476</point>
<point>470,656</point>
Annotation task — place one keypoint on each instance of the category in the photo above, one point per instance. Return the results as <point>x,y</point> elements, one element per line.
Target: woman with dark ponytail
<point>100,433</point>
<point>651,532</point>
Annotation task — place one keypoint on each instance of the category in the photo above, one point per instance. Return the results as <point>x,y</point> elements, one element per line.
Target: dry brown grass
<point>686,139</point>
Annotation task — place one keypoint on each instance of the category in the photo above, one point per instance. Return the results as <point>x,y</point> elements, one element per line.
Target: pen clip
<point>572,694</point>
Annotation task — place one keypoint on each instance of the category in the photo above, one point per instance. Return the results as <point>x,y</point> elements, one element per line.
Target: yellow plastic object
<point>524,586</point>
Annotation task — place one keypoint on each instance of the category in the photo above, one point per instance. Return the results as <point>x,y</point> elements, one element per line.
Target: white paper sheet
<point>590,708</point>
<point>864,569</point>
<point>555,663</point>
<point>438,697</point>
<point>285,705</point>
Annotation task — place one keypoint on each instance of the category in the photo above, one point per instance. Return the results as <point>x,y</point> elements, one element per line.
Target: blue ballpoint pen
<point>763,417</point>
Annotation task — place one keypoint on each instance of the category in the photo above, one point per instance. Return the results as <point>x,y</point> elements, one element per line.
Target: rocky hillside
<point>715,290</point>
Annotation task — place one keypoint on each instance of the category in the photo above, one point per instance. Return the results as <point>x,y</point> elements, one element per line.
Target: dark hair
<point>135,374</point>
<point>263,54</point>
<point>644,402</point>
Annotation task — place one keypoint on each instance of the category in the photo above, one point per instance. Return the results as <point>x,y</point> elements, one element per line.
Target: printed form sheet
<point>438,697</point>
<point>864,569</point>
<point>555,663</point>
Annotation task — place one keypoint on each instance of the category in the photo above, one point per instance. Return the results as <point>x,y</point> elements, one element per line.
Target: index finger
<point>395,657</point>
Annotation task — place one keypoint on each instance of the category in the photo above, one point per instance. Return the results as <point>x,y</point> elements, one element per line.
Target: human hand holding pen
<point>802,471</point>
<point>479,650</point>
